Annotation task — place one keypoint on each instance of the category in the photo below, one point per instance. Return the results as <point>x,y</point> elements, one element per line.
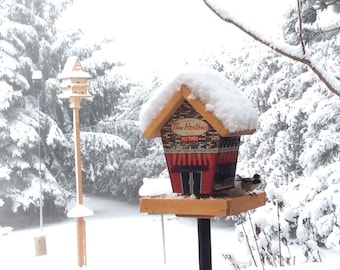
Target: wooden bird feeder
<point>74,86</point>
<point>74,79</point>
<point>200,151</point>
<point>200,118</point>
<point>200,146</point>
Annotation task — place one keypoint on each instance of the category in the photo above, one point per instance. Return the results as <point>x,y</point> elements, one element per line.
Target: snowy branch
<point>332,83</point>
<point>300,28</point>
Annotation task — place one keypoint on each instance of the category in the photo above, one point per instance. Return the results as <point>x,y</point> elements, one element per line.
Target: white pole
<point>37,85</point>
<point>163,236</point>
<point>40,240</point>
<point>40,184</point>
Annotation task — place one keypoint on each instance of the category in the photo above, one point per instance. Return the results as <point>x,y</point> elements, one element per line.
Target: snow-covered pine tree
<point>296,146</point>
<point>305,13</point>
<point>116,169</point>
<point>146,157</point>
<point>102,149</point>
<point>29,41</point>
<point>318,20</point>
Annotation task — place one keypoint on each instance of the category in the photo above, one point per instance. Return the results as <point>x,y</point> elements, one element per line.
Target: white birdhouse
<point>74,79</point>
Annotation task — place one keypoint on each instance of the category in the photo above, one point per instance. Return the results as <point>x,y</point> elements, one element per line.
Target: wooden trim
<point>154,128</point>
<point>201,109</point>
<point>208,207</point>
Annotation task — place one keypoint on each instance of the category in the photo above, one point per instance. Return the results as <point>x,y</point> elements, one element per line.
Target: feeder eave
<point>73,75</point>
<point>73,95</point>
<point>153,128</point>
<point>150,134</point>
<point>217,99</point>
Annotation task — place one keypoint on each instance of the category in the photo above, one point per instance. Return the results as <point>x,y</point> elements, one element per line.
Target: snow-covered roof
<point>219,97</point>
<point>73,69</point>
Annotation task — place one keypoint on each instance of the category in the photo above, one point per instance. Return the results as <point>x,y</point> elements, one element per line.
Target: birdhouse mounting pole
<point>75,105</point>
<point>81,233</point>
<point>74,86</point>
<point>204,243</point>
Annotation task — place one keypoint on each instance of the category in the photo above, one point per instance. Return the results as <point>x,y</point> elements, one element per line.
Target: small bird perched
<point>245,185</point>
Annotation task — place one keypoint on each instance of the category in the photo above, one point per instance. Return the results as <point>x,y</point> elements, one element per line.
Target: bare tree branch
<point>326,77</point>
<point>300,28</point>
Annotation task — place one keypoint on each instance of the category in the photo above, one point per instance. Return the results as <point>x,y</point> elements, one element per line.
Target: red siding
<point>176,183</point>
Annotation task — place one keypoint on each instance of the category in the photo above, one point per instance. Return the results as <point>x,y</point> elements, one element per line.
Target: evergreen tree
<point>29,41</point>
<point>117,169</point>
<point>311,13</point>
<point>295,147</point>
<point>302,29</point>
<point>146,157</point>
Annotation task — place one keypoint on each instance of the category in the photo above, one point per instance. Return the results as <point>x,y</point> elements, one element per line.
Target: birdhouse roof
<point>73,69</point>
<point>213,96</point>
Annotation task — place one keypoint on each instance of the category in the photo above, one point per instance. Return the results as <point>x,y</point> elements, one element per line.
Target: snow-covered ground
<point>120,237</point>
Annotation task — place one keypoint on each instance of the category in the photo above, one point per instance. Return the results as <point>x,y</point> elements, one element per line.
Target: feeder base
<point>201,207</point>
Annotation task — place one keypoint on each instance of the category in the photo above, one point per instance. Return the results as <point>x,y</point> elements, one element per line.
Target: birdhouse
<point>74,79</point>
<point>200,118</point>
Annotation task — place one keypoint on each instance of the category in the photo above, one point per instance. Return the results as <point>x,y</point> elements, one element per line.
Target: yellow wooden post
<point>81,242</point>
<point>75,104</point>
<point>81,236</point>
<point>74,85</point>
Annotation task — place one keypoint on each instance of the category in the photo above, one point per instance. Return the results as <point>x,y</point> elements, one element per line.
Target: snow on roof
<point>71,63</point>
<point>73,69</point>
<point>220,96</point>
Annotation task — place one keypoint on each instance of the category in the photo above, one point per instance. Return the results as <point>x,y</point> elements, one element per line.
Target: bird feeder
<point>201,140</point>
<point>74,86</point>
<point>74,79</point>
<point>200,118</point>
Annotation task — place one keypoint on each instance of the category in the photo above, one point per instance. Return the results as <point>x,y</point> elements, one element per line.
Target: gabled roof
<point>213,96</point>
<point>73,69</point>
<point>73,64</point>
<point>171,106</point>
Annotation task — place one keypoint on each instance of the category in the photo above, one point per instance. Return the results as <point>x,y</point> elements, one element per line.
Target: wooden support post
<point>81,232</point>
<point>75,104</point>
<point>203,209</point>
<point>204,243</point>
<point>74,86</point>
<point>81,242</point>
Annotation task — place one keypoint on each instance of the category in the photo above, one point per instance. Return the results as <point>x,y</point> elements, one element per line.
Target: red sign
<point>189,139</point>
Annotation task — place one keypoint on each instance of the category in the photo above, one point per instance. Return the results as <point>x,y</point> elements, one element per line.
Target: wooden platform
<point>201,207</point>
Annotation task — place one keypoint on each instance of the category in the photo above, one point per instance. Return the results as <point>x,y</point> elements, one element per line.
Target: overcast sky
<point>153,34</point>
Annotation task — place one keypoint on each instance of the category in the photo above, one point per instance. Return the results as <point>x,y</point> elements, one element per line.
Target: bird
<point>245,185</point>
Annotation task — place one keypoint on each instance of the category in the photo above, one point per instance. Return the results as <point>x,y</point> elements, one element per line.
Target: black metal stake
<point>204,243</point>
